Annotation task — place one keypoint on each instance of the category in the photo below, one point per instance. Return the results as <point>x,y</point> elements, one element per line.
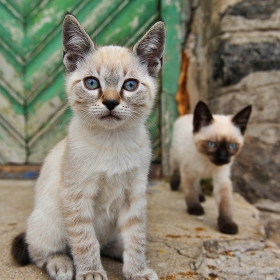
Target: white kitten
<point>91,193</point>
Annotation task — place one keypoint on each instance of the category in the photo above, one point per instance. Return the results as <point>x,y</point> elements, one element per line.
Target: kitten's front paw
<point>196,210</point>
<point>94,275</point>
<point>59,267</point>
<point>147,274</point>
<point>227,226</point>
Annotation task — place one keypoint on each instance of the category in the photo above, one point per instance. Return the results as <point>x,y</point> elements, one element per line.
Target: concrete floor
<point>179,246</point>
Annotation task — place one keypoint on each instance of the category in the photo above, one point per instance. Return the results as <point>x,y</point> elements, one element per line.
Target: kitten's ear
<point>241,118</point>
<point>76,43</point>
<point>150,48</point>
<point>201,116</point>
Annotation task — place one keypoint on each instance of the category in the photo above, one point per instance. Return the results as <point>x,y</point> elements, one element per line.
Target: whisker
<point>150,120</point>
<point>64,122</point>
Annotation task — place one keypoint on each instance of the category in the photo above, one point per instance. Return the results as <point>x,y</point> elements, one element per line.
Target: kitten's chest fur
<point>107,191</point>
<point>102,166</point>
<point>108,153</point>
<point>108,202</point>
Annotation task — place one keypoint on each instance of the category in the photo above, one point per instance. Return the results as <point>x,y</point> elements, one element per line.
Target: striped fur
<point>91,193</point>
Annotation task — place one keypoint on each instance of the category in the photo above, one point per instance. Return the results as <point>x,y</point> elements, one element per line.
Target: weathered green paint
<point>11,29</point>
<point>25,7</point>
<point>12,119</point>
<point>171,12</point>
<point>153,125</point>
<point>33,107</point>
<point>53,128</point>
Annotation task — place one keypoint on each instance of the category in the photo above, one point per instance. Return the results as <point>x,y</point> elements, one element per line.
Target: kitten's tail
<point>19,250</point>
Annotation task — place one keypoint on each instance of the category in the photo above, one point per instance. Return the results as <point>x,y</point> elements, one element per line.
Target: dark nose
<point>221,158</point>
<point>110,103</point>
<point>223,155</point>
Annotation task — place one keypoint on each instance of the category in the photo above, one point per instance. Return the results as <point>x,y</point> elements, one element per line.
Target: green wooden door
<point>33,108</point>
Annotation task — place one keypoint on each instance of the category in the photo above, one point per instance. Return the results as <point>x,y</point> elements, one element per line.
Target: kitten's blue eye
<point>211,144</point>
<point>232,146</point>
<point>130,85</point>
<point>91,83</point>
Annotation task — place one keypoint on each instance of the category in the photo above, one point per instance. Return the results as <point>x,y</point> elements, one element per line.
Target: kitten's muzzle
<point>221,158</point>
<point>111,103</point>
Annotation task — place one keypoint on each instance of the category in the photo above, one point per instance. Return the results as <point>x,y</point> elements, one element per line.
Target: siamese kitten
<point>204,146</point>
<point>90,197</point>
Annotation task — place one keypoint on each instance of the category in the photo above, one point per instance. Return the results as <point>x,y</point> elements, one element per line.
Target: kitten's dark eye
<point>211,144</point>
<point>91,83</point>
<point>130,85</point>
<point>232,146</point>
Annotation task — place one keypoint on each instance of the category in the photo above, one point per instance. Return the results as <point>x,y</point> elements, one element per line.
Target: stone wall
<point>234,47</point>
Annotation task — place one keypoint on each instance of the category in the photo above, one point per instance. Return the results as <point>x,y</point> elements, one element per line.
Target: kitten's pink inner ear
<point>151,46</point>
<point>75,38</point>
<point>76,43</point>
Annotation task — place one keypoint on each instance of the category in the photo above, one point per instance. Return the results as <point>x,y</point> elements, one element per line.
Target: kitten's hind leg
<point>191,190</point>
<point>59,266</point>
<point>47,245</point>
<point>175,180</point>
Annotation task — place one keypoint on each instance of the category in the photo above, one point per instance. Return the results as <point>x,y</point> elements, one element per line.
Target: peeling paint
<point>17,34</point>
<point>134,23</point>
<point>92,22</point>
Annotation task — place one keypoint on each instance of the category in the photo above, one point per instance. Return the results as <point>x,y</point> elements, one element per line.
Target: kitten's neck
<point>110,151</point>
<point>94,134</point>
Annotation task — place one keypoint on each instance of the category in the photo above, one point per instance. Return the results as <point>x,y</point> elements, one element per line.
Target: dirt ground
<point>179,246</point>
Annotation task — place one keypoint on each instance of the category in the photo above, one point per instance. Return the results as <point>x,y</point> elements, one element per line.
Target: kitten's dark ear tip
<point>249,108</point>
<point>201,106</point>
<point>161,19</point>
<point>68,18</point>
<point>160,23</point>
<point>201,116</point>
<point>241,118</point>
<point>67,13</point>
<point>200,103</point>
<point>159,27</point>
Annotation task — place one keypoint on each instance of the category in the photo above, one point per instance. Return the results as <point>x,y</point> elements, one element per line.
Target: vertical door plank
<point>171,12</point>
<point>12,118</point>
